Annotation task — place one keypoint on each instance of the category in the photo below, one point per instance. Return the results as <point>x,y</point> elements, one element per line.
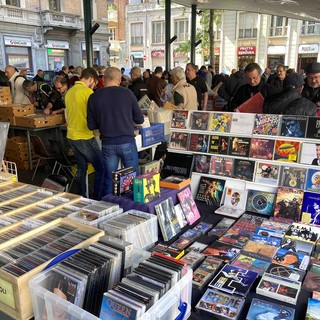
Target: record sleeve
<point>242,122</point>
<point>221,166</point>
<point>243,169</point>
<point>285,150</point>
<point>303,232</point>
<point>239,146</point>
<point>202,163</point>
<point>309,153</point>
<point>313,180</point>
<point>180,119</point>
<point>267,173</point>
<point>261,202</point>
<point>293,177</point>
<point>199,120</point>
<point>275,269</point>
<point>313,309</point>
<point>311,208</point>
<point>221,250</point>
<point>220,121</point>
<point>293,126</point>
<point>210,190</point>
<point>198,142</point>
<point>250,263</point>
<point>221,227</point>
<point>179,140</point>
<point>188,205</point>
<point>193,258</point>
<point>313,128</point>
<point>262,148</point>
<point>267,124</point>
<point>218,144</point>
<point>291,259</point>
<point>259,250</point>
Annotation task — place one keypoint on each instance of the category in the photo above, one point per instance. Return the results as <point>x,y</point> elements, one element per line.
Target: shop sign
<point>157,54</point>
<point>55,44</point>
<point>137,54</point>
<point>95,46</point>
<point>277,50</point>
<point>217,51</point>
<point>178,54</point>
<point>246,51</point>
<point>17,41</point>
<point>308,48</point>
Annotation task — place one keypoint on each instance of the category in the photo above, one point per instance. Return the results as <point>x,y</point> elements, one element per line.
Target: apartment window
<point>112,33</point>
<point>158,32</point>
<point>217,28</point>
<point>136,34</point>
<point>14,3</point>
<point>54,5</point>
<point>279,26</point>
<point>181,28</point>
<point>248,25</point>
<point>310,27</point>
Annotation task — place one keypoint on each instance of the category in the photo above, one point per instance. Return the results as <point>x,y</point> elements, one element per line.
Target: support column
<point>193,33</point>
<point>87,28</point>
<point>167,33</point>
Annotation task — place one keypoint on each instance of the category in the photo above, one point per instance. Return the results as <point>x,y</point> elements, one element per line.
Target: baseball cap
<point>294,80</point>
<point>313,67</point>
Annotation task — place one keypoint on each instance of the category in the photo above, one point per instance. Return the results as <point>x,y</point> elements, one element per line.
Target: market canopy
<point>297,9</point>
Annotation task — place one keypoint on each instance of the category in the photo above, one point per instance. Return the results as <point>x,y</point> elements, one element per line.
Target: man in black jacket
<point>254,85</point>
<point>311,89</point>
<point>138,86</point>
<point>290,101</point>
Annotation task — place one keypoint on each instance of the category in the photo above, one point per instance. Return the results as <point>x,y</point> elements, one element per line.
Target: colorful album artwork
<point>285,150</point>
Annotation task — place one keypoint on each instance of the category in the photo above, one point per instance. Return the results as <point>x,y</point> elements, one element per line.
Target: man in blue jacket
<point>113,110</point>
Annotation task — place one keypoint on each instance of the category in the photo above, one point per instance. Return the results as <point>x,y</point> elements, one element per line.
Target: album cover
<point>197,247</point>
<point>262,148</point>
<point>188,205</point>
<point>179,140</point>
<point>218,144</point>
<point>221,250</point>
<point>199,120</point>
<point>303,232</point>
<point>311,208</point>
<point>293,126</point>
<point>191,234</point>
<point>243,169</point>
<point>313,180</point>
<point>313,309</point>
<point>262,309</point>
<point>275,225</point>
<point>296,245</point>
<point>201,163</point>
<point>278,270</point>
<point>168,251</point>
<point>285,150</point>
<point>291,259</point>
<point>253,105</point>
<point>269,232</point>
<point>310,153</point>
<point>250,263</point>
<point>180,215</point>
<point>180,119</point>
<point>267,124</point>
<point>267,173</point>
<point>177,164</point>
<point>234,280</point>
<point>261,202</point>
<point>236,236</point>
<point>203,227</point>
<point>311,281</point>
<point>152,166</point>
<point>193,259</point>
<point>259,250</point>
<point>174,182</point>
<point>198,142</point>
<point>313,128</point>
<point>293,177</point>
<point>288,203</point>
<point>221,166</point>
<point>220,121</point>
<point>168,220</point>
<point>250,221</point>
<point>242,122</point>
<point>210,190</point>
<point>221,305</point>
<point>239,146</point>
<point>221,227</point>
<point>235,198</point>
<point>122,180</point>
<point>181,244</point>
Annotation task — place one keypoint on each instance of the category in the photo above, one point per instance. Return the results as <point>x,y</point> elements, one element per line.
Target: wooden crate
<point>5,100</point>
<point>17,110</point>
<point>35,121</point>
<point>22,155</point>
<point>15,299</point>
<point>59,118</point>
<point>17,144</point>
<point>5,91</point>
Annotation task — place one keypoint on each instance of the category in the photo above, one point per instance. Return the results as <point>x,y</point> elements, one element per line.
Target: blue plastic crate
<point>153,134</point>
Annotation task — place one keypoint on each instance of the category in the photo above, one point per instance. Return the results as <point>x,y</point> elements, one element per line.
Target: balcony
<point>278,31</point>
<point>61,20</point>
<point>19,15</point>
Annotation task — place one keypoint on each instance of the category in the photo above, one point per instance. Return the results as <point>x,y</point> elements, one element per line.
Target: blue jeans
<point>127,153</point>
<point>87,151</point>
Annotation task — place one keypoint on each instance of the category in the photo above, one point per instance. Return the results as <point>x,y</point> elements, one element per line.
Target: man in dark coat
<point>254,85</point>
<point>277,82</point>
<point>311,89</point>
<point>290,101</point>
<point>137,86</point>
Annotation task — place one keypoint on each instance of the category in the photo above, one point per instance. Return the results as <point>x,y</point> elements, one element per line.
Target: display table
<point>126,201</point>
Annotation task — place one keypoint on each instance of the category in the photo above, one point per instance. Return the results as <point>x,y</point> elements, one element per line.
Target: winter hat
<point>313,67</point>
<point>294,80</point>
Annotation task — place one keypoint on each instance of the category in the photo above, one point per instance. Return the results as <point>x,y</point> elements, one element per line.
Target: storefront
<point>136,58</point>
<point>179,58</point>
<point>276,56</point>
<point>18,52</point>
<point>96,54</point>
<point>57,54</point>
<point>157,56</point>
<point>246,54</point>
<point>307,53</point>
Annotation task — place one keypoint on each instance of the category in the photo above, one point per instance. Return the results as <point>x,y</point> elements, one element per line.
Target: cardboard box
<point>146,187</point>
<point>17,144</point>
<point>12,155</point>
<point>17,110</point>
<point>35,121</point>
<point>5,100</point>
<point>5,91</point>
<point>10,119</point>
<point>59,118</point>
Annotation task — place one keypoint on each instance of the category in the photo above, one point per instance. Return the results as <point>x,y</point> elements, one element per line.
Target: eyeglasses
<point>316,78</point>
<point>59,88</point>
<point>254,78</point>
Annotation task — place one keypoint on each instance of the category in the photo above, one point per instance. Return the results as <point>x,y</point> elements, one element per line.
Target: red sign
<point>246,51</point>
<point>144,57</point>
<point>157,54</point>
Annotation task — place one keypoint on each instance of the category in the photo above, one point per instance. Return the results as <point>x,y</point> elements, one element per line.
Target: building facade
<point>48,34</point>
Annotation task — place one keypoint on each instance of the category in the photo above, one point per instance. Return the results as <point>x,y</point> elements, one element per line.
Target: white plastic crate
<point>9,171</point>
<point>165,309</point>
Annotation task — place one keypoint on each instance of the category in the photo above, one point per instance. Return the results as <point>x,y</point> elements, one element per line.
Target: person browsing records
<point>114,110</point>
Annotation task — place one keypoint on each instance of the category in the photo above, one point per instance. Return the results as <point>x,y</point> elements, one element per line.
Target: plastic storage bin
<point>152,135</point>
<point>165,309</point>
